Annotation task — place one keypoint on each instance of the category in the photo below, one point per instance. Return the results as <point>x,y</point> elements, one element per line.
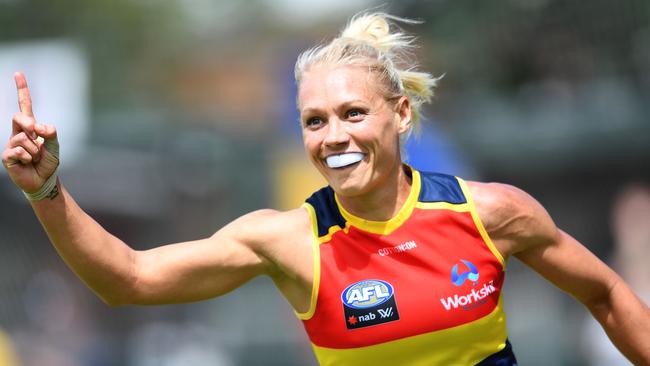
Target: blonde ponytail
<point>374,40</point>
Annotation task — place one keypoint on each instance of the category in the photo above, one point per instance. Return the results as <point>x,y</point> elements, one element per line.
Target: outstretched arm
<point>520,226</point>
<point>174,273</point>
<point>118,274</point>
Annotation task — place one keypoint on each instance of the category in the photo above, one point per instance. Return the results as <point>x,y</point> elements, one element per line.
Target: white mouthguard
<point>338,161</point>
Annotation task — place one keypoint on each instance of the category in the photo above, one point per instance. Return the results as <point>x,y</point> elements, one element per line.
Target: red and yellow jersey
<point>423,288</point>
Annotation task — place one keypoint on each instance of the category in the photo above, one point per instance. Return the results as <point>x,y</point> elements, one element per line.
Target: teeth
<point>338,161</point>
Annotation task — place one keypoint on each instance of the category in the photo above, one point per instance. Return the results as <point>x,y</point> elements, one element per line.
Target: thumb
<point>45,131</point>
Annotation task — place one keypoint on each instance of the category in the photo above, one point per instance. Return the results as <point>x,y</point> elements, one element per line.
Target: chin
<point>350,184</point>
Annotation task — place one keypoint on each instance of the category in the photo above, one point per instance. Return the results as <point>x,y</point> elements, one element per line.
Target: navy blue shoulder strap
<point>438,187</point>
<point>327,211</point>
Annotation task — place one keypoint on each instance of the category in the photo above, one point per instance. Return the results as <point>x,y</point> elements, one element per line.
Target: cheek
<point>311,144</point>
<point>385,135</point>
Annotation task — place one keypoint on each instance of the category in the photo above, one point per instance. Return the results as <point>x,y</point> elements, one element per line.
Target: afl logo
<point>459,279</point>
<point>367,294</point>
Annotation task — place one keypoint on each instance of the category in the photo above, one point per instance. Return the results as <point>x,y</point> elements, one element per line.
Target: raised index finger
<point>24,99</point>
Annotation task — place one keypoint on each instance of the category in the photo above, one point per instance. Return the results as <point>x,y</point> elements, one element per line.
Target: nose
<point>336,133</point>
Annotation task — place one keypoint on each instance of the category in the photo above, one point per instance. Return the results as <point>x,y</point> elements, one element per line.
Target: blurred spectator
<point>630,223</point>
<point>7,353</point>
<point>59,331</point>
<point>170,344</point>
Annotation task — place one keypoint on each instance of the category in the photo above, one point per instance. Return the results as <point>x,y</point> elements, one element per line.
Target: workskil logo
<point>459,279</point>
<point>369,302</point>
<point>470,300</point>
<point>475,297</point>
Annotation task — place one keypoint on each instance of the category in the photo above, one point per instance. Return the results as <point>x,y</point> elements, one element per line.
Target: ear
<point>403,111</point>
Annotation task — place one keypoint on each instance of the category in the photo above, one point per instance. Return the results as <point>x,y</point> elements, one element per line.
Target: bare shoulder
<point>514,219</point>
<point>281,238</point>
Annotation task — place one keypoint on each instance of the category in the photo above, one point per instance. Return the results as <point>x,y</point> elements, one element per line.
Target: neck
<point>381,203</point>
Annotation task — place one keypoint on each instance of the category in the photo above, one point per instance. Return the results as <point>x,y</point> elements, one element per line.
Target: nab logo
<point>366,294</point>
<point>459,279</point>
<point>369,302</point>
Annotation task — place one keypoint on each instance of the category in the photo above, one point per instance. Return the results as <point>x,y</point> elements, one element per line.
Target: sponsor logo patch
<point>404,247</point>
<point>459,279</point>
<point>473,299</point>
<point>369,302</point>
<point>470,300</point>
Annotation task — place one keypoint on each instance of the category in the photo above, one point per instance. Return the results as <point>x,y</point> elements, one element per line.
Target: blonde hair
<point>374,41</point>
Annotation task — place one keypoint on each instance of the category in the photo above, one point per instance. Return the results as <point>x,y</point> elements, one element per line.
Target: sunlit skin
<point>342,110</point>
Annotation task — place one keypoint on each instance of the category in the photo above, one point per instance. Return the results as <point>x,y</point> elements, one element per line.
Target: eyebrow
<point>312,110</point>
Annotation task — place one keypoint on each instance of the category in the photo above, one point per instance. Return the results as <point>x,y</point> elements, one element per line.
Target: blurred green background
<point>182,118</point>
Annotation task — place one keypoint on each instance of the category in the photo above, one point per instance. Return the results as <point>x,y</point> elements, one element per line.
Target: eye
<point>313,122</point>
<point>355,114</point>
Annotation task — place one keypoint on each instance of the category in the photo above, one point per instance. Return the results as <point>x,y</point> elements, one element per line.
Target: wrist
<point>49,190</point>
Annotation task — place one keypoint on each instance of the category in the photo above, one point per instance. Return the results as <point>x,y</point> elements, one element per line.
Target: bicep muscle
<point>201,269</point>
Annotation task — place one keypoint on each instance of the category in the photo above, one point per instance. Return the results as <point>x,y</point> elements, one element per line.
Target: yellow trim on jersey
<point>386,227</point>
<point>316,272</point>
<point>331,231</point>
<point>312,218</point>
<point>479,223</point>
<point>444,347</point>
<point>458,207</point>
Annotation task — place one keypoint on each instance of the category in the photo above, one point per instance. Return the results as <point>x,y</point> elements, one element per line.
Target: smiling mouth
<point>344,160</point>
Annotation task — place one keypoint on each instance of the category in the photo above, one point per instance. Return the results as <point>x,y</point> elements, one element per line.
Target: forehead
<point>336,84</point>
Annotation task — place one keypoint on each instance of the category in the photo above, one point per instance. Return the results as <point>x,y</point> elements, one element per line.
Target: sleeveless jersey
<point>423,288</point>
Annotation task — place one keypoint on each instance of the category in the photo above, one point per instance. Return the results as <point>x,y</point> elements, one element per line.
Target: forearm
<point>626,320</point>
<point>102,261</point>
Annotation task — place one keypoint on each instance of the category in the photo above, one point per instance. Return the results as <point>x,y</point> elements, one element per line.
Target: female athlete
<point>386,265</point>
